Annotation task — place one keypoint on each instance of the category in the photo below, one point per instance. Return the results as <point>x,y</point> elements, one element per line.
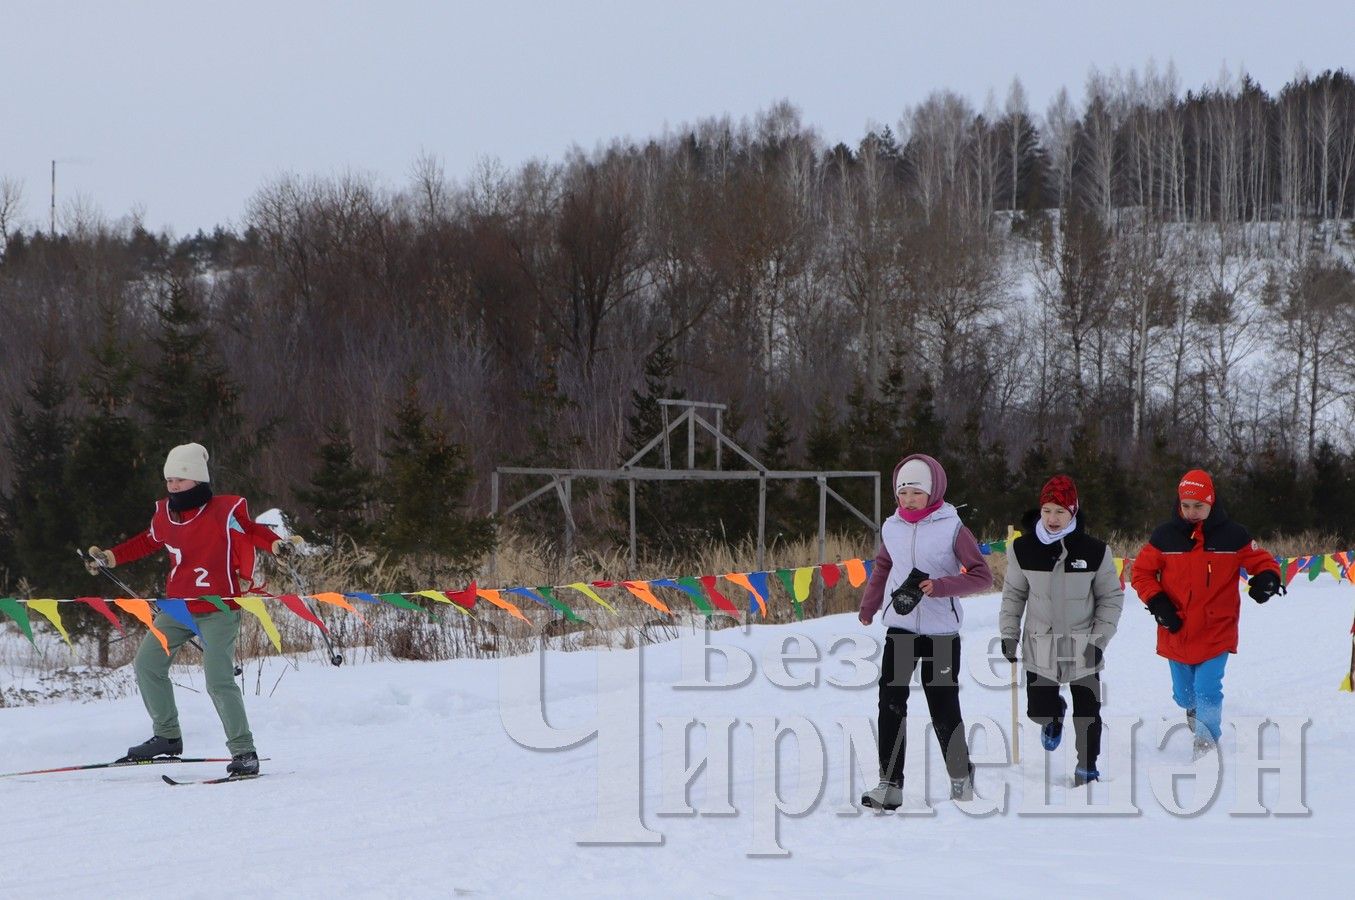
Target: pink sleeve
<point>977,577</point>
<point>874,595</point>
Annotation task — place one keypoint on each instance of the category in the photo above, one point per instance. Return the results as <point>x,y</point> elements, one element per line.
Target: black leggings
<point>1043,705</point>
<point>940,657</point>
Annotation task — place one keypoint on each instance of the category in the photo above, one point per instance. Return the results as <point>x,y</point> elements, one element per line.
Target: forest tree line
<point>1119,286</point>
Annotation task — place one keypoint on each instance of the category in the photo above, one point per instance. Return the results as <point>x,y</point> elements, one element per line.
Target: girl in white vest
<point>923,539</point>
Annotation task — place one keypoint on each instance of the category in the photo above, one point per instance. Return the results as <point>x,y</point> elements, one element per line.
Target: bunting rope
<point>703,592</point>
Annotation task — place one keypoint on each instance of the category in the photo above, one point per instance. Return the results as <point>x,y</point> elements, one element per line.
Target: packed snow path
<point>400,779</point>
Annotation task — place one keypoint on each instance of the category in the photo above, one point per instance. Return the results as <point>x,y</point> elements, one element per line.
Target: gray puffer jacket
<point>1070,598</point>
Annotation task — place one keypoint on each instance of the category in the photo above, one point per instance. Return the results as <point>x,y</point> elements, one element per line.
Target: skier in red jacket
<point>211,542</point>
<point>1187,576</point>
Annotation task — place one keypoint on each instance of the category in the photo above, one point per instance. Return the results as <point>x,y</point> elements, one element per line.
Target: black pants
<point>1044,705</point>
<point>940,657</point>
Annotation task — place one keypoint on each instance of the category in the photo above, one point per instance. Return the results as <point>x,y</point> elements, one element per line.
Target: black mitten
<point>1263,586</point>
<point>1009,649</point>
<point>1165,612</point>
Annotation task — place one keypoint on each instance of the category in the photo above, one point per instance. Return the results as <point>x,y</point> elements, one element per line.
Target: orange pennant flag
<point>741,579</point>
<point>141,611</point>
<point>495,598</point>
<point>333,598</point>
<point>641,590</point>
<point>856,572</point>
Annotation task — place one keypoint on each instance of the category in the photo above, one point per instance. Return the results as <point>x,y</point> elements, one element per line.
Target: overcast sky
<point>183,109</point>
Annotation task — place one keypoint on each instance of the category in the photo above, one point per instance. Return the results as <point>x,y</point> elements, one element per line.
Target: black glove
<point>1264,585</point>
<point>1167,617</point>
<point>1093,656</point>
<point>1009,649</point>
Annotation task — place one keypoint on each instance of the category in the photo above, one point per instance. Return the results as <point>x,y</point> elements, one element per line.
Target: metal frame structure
<point>631,471</point>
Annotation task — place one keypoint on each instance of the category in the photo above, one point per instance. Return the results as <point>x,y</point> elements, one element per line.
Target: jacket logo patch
<point>1077,564</point>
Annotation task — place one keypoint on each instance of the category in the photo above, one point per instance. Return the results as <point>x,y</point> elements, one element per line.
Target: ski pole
<point>1016,725</point>
<point>335,657</point>
<point>128,592</point>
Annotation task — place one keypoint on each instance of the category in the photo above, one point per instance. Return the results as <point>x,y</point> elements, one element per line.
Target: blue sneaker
<point>1082,776</point>
<point>1051,734</point>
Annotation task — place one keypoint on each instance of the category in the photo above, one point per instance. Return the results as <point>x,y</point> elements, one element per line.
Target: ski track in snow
<point>399,779</point>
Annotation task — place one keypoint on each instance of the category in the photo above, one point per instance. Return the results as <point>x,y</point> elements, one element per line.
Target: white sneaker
<point>962,789</point>
<point>885,795</point>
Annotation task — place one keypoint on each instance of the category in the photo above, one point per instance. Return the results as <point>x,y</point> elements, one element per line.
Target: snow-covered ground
<point>401,779</point>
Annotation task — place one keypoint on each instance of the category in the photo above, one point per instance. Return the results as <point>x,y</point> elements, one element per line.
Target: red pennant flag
<point>604,584</point>
<point>464,598</point>
<point>293,602</point>
<point>831,573</point>
<point>719,599</point>
<point>1291,570</point>
<point>99,606</point>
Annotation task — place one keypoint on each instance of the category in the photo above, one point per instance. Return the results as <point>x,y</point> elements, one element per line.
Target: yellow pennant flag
<point>742,580</point>
<point>803,579</point>
<point>333,598</point>
<point>141,611</point>
<point>495,598</point>
<point>442,598</point>
<point>1119,566</point>
<point>591,594</point>
<point>254,606</point>
<point>641,589</point>
<point>1329,564</point>
<point>49,608</point>
<point>856,572</point>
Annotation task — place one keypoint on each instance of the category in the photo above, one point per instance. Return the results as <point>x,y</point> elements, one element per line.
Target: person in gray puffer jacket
<point>1063,583</point>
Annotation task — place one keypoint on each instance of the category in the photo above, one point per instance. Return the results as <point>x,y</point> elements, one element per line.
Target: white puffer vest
<point>930,546</point>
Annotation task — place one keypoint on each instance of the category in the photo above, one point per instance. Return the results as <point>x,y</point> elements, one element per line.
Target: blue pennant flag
<point>178,611</point>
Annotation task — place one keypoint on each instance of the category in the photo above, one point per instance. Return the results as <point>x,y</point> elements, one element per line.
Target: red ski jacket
<point>1197,566</point>
<point>211,549</point>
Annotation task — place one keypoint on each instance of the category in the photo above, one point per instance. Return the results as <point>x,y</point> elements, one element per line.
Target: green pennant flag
<point>216,601</point>
<point>1315,565</point>
<point>787,579</point>
<point>401,601</point>
<point>999,546</point>
<point>693,589</point>
<point>19,613</point>
<point>559,604</point>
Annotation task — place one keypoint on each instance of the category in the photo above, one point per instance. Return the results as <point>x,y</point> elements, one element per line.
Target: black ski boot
<point>155,746</point>
<point>243,764</point>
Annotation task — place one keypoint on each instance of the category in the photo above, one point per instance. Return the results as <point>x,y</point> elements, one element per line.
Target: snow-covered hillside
<point>402,779</point>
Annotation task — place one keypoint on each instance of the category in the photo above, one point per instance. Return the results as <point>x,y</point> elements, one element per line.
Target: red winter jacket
<point>211,549</point>
<point>1197,566</point>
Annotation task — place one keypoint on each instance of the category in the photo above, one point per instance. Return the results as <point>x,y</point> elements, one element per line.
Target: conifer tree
<point>108,475</point>
<point>188,395</point>
<point>423,494</point>
<point>341,490</point>
<point>39,507</point>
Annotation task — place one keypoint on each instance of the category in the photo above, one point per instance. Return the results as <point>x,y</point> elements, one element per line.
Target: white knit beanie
<point>915,474</point>
<point>187,461</point>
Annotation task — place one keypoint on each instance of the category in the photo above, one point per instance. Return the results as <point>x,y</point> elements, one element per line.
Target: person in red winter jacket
<point>211,542</point>
<point>1187,575</point>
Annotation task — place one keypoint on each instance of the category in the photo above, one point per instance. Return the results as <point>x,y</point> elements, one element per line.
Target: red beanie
<point>1196,485</point>
<point>1061,490</point>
